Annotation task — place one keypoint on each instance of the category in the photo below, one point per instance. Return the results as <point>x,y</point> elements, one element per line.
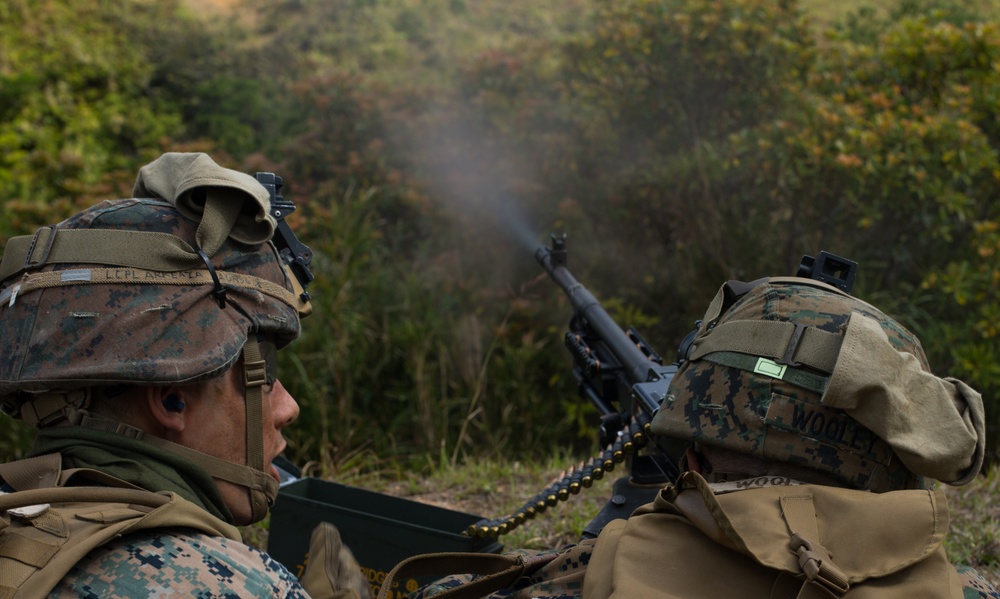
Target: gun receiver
<point>613,367</point>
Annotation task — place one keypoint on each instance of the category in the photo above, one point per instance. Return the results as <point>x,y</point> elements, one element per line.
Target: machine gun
<point>626,380</point>
<point>620,374</point>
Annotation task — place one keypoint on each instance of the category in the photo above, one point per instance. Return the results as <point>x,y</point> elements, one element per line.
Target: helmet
<point>797,371</point>
<point>147,291</point>
<point>78,324</point>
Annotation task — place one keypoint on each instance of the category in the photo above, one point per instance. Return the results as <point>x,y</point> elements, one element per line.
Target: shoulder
<point>974,585</point>
<point>178,562</point>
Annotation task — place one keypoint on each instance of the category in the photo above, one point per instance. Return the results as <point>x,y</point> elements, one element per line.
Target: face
<point>215,424</point>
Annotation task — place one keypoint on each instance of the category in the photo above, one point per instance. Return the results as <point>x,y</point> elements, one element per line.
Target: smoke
<point>481,182</point>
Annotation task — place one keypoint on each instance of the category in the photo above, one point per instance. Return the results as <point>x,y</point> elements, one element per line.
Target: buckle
<point>46,247</point>
<point>254,373</point>
<point>792,347</point>
<point>817,564</point>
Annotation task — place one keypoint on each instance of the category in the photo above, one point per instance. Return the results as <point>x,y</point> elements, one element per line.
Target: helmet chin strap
<point>262,487</point>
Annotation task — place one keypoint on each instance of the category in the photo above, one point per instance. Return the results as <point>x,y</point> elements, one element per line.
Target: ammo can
<point>380,529</point>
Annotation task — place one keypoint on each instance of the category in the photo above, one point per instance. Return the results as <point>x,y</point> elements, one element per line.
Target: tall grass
<point>399,359</point>
<point>975,529</point>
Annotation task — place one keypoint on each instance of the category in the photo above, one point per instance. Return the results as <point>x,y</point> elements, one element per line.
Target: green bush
<point>74,109</point>
<point>894,160</point>
<point>431,145</point>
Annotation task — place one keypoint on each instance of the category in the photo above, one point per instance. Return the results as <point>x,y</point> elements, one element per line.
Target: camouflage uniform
<point>176,563</point>
<point>975,586</point>
<point>179,285</point>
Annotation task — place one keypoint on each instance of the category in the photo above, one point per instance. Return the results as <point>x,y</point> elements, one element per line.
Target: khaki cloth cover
<point>692,543</point>
<point>177,176</point>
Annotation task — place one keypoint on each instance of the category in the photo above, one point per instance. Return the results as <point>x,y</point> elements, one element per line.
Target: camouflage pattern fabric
<point>974,585</point>
<point>129,325</point>
<point>162,562</point>
<point>561,578</point>
<point>775,419</point>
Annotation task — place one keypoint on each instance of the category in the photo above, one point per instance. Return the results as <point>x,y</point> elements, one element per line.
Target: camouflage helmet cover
<point>67,326</point>
<point>719,399</point>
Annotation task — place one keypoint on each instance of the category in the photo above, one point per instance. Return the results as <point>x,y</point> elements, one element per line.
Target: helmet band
<point>128,276</point>
<point>782,341</point>
<point>761,365</point>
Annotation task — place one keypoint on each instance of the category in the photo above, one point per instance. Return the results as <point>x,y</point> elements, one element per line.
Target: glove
<point>332,572</point>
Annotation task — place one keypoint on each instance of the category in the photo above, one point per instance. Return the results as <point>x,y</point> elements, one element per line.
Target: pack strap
<point>32,473</point>
<point>46,531</point>
<point>142,497</point>
<point>495,571</point>
<point>28,551</point>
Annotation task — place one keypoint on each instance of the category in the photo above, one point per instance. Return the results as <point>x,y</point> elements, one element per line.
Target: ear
<point>166,407</point>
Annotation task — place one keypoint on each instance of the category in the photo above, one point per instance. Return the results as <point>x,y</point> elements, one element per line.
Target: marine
<point>140,337</point>
<point>815,437</point>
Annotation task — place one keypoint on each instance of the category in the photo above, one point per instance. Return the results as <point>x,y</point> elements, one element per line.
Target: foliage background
<point>431,145</point>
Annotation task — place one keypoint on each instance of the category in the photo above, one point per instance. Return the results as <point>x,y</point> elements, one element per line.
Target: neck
<point>133,461</point>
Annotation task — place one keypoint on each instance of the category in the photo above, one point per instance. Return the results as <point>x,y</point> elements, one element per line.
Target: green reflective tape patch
<point>770,368</point>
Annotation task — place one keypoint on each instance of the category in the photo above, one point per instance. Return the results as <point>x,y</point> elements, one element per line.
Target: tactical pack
<point>51,521</point>
<point>779,540</point>
<point>766,537</point>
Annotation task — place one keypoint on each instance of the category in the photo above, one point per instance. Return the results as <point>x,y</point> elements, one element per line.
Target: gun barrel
<point>636,364</point>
